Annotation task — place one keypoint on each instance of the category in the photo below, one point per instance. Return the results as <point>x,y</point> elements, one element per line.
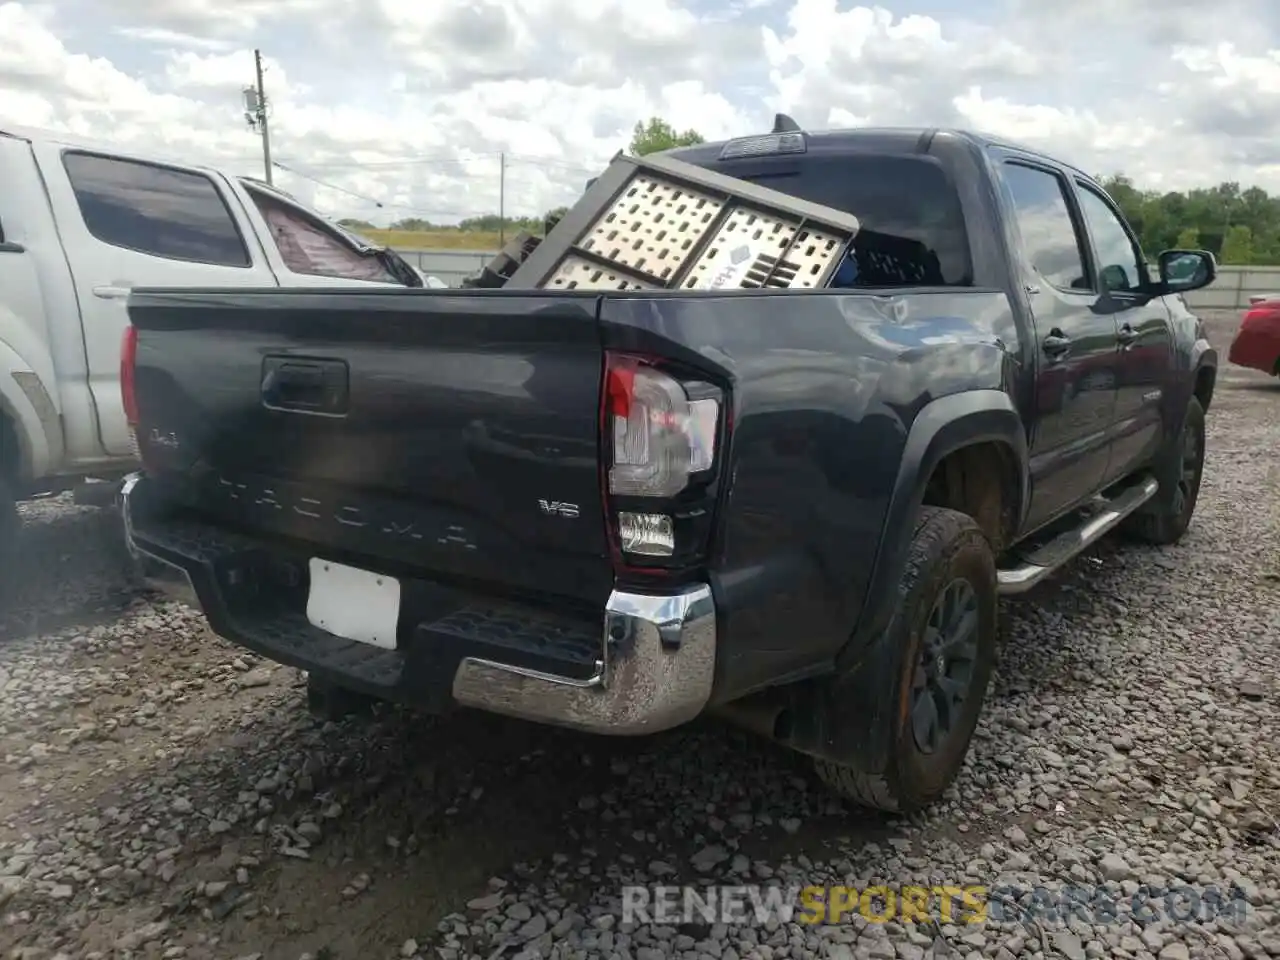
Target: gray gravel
<point>163,794</point>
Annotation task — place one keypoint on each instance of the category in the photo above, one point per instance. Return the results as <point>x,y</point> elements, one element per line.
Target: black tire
<point>948,548</point>
<point>1179,468</point>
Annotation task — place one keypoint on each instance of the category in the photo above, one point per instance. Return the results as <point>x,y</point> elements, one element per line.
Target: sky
<point>388,109</point>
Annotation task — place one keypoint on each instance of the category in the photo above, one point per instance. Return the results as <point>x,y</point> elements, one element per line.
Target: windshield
<point>912,230</point>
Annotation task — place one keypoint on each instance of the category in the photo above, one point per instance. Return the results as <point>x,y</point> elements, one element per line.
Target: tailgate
<point>455,435</point>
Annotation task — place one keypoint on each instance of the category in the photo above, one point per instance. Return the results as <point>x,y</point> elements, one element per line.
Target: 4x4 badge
<point>555,508</point>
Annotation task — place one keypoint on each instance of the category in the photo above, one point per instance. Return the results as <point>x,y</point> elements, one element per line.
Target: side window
<point>912,225</point>
<point>307,248</point>
<point>175,214</point>
<point>1120,267</point>
<point>1048,232</point>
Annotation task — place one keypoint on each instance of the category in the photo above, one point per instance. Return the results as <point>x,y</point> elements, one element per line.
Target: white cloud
<point>193,18</point>
<point>411,104</point>
<point>161,37</point>
<point>222,72</point>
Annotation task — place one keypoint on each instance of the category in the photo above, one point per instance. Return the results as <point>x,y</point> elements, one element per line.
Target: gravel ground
<point>164,795</point>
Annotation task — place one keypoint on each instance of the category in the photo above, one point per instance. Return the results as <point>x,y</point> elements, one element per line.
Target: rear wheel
<point>944,647</point>
<point>1179,469</point>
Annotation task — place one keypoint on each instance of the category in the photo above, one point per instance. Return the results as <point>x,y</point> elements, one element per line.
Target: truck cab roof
<point>905,139</point>
<point>91,145</point>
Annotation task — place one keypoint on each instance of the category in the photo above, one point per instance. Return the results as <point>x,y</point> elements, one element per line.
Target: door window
<point>307,248</point>
<point>1120,266</point>
<point>1048,232</point>
<point>156,210</point>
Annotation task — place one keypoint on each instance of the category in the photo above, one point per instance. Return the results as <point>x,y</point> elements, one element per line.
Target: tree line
<point>1239,226</point>
<point>489,223</point>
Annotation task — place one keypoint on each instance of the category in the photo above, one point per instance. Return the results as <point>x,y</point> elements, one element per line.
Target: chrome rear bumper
<point>656,666</point>
<point>157,574</point>
<point>656,673</point>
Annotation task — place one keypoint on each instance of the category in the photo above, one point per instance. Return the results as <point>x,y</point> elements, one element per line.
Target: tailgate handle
<point>317,387</point>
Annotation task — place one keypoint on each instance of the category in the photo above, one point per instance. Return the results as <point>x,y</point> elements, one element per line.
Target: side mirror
<point>1183,270</point>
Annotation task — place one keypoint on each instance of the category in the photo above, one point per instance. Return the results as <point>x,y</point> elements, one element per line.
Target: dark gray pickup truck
<point>621,490</point>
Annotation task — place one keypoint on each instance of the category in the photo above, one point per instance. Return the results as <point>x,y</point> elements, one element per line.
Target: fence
<point>1234,287</point>
<point>451,266</point>
<point>1231,291</point>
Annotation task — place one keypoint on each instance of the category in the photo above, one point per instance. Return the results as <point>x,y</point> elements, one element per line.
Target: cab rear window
<point>913,231</point>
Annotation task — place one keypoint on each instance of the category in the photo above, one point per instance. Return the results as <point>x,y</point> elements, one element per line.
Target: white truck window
<point>308,248</point>
<point>156,210</point>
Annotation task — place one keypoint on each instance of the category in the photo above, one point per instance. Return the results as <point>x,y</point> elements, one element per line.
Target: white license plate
<point>354,604</point>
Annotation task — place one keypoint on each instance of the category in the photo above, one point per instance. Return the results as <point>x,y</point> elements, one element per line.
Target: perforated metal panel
<point>652,226</point>
<point>745,251</point>
<point>658,223</point>
<point>574,273</point>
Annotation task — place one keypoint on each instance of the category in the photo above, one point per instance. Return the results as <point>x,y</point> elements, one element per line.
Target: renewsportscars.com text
<point>961,904</point>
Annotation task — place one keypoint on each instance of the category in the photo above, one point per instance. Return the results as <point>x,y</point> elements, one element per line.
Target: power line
<point>385,204</point>
<point>380,204</point>
<point>502,200</point>
<point>441,160</point>
<point>548,162</point>
<point>328,186</point>
<point>402,162</point>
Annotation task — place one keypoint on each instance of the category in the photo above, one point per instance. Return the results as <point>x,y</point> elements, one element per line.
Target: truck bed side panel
<point>825,388</point>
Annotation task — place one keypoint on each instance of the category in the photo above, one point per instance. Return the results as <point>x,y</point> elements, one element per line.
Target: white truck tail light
<point>660,437</point>
<point>646,534</point>
<point>128,365</point>
<point>129,391</point>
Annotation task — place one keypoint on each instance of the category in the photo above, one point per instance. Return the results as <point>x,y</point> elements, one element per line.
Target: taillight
<point>1262,311</point>
<point>129,390</point>
<point>128,365</point>
<point>661,439</point>
<point>660,436</point>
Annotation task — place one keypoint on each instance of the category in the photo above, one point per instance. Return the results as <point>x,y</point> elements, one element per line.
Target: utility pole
<point>255,112</point>
<point>502,200</point>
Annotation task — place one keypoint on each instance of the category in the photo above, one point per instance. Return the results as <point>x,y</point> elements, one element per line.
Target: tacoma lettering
<point>348,515</point>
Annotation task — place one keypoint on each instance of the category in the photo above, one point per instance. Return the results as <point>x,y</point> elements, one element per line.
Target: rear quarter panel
<point>825,387</point>
<point>1256,344</point>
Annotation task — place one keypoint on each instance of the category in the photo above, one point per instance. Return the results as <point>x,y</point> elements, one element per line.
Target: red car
<point>1257,342</point>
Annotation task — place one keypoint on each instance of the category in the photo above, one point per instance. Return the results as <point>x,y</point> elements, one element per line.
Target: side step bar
<point>1047,558</point>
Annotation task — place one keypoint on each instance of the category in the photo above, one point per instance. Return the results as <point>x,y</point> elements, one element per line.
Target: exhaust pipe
<point>766,714</point>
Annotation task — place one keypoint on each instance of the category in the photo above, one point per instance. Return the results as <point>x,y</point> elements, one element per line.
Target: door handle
<point>1056,344</point>
<point>305,386</point>
<point>1127,336</point>
<point>112,291</point>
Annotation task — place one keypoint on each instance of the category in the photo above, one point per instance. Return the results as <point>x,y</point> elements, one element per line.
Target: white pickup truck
<point>80,224</point>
